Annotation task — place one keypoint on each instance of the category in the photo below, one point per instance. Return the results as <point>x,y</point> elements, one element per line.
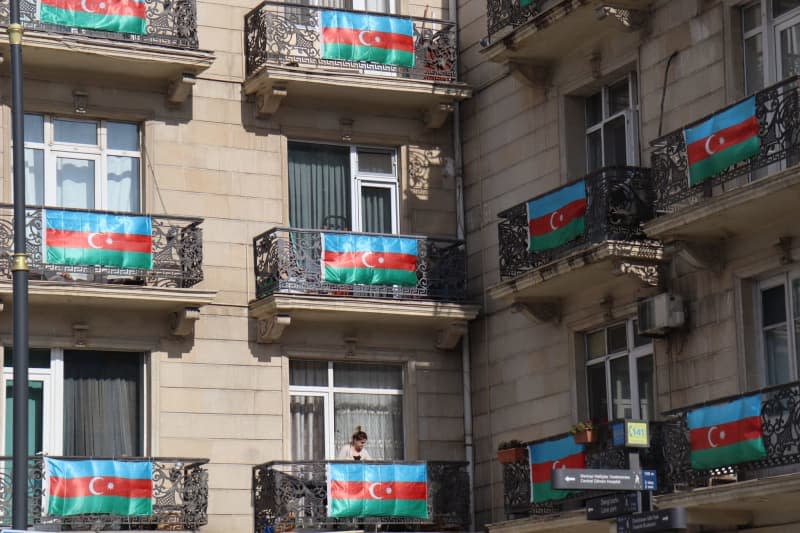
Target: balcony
<point>737,201</point>
<point>180,499</point>
<point>284,62</point>
<point>289,495</point>
<point>745,495</point>
<point>290,287</point>
<point>177,250</point>
<point>167,57</point>
<point>540,32</point>
<point>619,201</point>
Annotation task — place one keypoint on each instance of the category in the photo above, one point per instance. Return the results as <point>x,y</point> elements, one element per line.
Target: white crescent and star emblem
<point>555,464</point>
<point>93,489</point>
<point>556,219</point>
<point>711,434</point>
<point>100,5</point>
<point>371,489</point>
<point>366,39</point>
<point>367,264</point>
<point>710,142</point>
<point>90,239</point>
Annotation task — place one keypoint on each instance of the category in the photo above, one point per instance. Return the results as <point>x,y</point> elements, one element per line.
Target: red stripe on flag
<point>379,260</point>
<point>726,434</point>
<point>100,486</point>
<point>543,471</point>
<point>558,218</point>
<point>102,7</point>
<point>375,39</point>
<point>122,242</point>
<point>390,490</point>
<point>722,139</point>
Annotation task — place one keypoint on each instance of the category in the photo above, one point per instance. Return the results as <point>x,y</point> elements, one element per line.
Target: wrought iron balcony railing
<point>171,23</point>
<point>778,113</point>
<point>501,14</point>
<point>177,253</point>
<point>180,499</point>
<point>288,261</point>
<point>294,495</point>
<point>619,201</point>
<point>289,34</point>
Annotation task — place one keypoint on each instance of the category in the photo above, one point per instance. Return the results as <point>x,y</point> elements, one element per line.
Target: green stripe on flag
<point>118,505</point>
<point>702,170</point>
<point>740,452</point>
<point>95,21</point>
<point>93,256</point>
<point>558,237</point>
<point>369,276</point>
<point>355,508</point>
<point>348,52</point>
<point>544,491</point>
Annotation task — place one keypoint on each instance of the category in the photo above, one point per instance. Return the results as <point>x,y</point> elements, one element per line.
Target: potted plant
<point>512,451</point>
<point>584,432</point>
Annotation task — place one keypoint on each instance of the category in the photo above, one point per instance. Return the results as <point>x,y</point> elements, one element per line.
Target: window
<point>771,42</point>
<point>81,403</point>
<point>343,188</point>
<point>779,312</point>
<point>328,400</point>
<point>611,129</point>
<point>85,164</point>
<point>378,6</point>
<point>619,367</point>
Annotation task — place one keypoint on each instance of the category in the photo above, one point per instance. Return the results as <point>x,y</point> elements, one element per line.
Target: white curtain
<point>379,415</point>
<point>123,183</point>
<point>308,428</point>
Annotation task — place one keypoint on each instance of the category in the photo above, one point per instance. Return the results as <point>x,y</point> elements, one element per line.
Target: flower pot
<point>587,436</point>
<point>512,455</point>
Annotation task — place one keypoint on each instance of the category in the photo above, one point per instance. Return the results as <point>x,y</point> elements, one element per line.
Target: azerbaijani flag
<point>722,140</point>
<point>122,16</point>
<point>369,259</point>
<point>726,434</point>
<point>547,456</point>
<point>358,37</point>
<point>360,489</point>
<point>84,238</point>
<point>557,217</point>
<point>99,486</point>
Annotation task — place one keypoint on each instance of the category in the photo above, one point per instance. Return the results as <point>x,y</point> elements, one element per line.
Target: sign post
<point>602,479</point>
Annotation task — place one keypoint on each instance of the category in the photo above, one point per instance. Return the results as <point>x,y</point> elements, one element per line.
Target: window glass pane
<point>308,427</point>
<point>34,128</point>
<point>75,183</point>
<point>616,142</point>
<point>618,97</point>
<point>375,161</point>
<point>122,136</point>
<point>751,17</point>
<point>37,358</point>
<point>776,350</point>
<point>620,389</point>
<point>790,51</point>
<point>594,151</point>
<point>380,417</point>
<point>364,375</point>
<point>123,183</point>
<point>638,340</point>
<point>753,64</point>
<point>376,209</point>
<point>596,391</point>
<point>773,306</point>
<point>644,377</point>
<point>796,299</point>
<point>35,417</point>
<point>594,109</point>
<point>319,186</point>
<point>617,338</point>
<point>72,131</point>
<point>596,344</point>
<point>779,7</point>
<point>34,176</point>
<point>308,373</point>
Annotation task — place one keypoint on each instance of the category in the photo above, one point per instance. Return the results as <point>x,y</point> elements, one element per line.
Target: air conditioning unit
<point>659,314</point>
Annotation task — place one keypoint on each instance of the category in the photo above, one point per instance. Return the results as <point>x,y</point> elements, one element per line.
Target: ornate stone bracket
<point>648,273</point>
<point>631,19</point>
<point>783,246</point>
<point>448,338</point>
<point>182,322</point>
<point>436,116</point>
<point>269,99</point>
<point>80,335</point>
<point>539,312</point>
<point>533,75</point>
<point>701,255</point>
<point>270,329</point>
<point>180,88</point>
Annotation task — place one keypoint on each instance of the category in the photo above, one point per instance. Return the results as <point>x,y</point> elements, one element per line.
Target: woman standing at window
<point>355,449</point>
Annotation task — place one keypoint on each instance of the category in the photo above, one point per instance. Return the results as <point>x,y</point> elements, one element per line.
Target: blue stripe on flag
<point>551,450</point>
<point>730,117</point>
<point>358,21</point>
<point>715,415</point>
<point>333,242</point>
<point>378,473</point>
<point>99,467</point>
<point>97,222</point>
<point>556,200</point>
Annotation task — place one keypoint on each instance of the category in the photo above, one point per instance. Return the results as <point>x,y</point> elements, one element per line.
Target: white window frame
<point>633,354</point>
<point>786,280</point>
<point>98,153</point>
<point>770,31</point>
<point>328,392</point>
<point>631,123</point>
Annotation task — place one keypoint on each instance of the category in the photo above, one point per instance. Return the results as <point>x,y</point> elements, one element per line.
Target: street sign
<point>637,434</point>
<point>611,506</point>
<point>653,521</point>
<point>601,479</point>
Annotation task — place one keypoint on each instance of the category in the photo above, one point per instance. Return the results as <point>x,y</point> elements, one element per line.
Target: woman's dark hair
<point>358,434</point>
